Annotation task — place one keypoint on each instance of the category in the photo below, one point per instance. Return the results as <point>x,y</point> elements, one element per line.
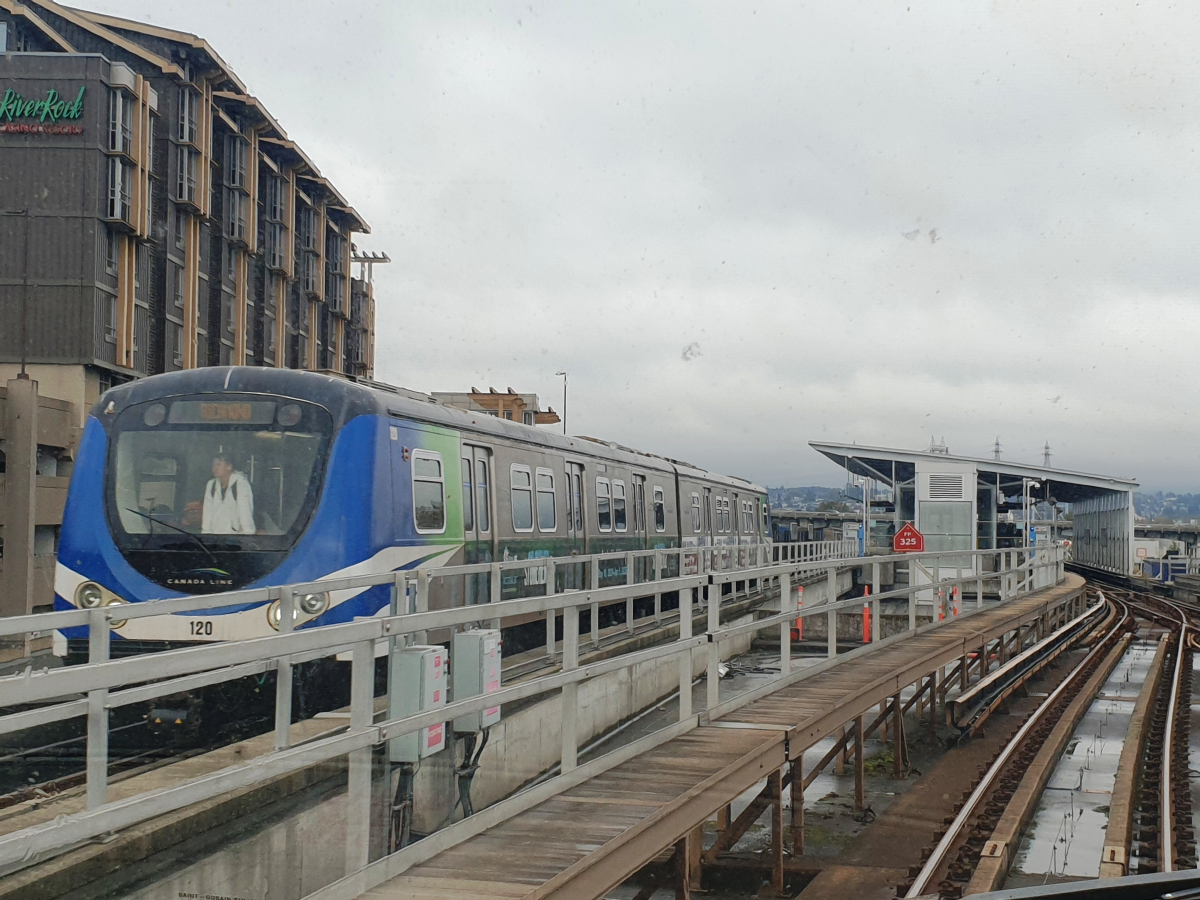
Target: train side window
<point>619,520</point>
<point>545,500</point>
<point>429,492</point>
<point>482,501</point>
<point>728,516</point>
<point>766,522</point>
<point>467,496</point>
<point>696,512</point>
<point>603,511</point>
<point>708,512</point>
<point>522,498</point>
<point>660,510</point>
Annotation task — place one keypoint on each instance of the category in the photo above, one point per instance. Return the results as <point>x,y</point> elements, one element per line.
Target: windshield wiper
<point>199,543</point>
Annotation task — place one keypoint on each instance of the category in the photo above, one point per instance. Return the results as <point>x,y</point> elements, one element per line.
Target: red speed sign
<point>908,540</point>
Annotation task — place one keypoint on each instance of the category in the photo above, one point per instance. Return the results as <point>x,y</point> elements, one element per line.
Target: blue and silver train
<point>216,479</point>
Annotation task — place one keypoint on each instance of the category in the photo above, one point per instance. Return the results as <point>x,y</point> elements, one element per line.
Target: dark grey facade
<point>161,219</point>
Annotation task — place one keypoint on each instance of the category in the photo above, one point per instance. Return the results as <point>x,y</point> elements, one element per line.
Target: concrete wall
<point>528,742</point>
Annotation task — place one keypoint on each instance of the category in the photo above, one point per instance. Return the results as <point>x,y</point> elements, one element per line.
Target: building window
<point>235,214</point>
<point>522,498</point>
<point>189,103</point>
<point>309,273</point>
<point>176,276</point>
<point>236,150</point>
<point>185,175</point>
<point>276,199</point>
<point>429,492</point>
<point>110,251</point>
<point>545,500</point>
<point>120,122</point>
<point>180,225</point>
<point>109,307</point>
<point>176,345</point>
<point>276,247</point>
<point>603,505</point>
<point>306,225</point>
<point>527,417</point>
<point>120,178</point>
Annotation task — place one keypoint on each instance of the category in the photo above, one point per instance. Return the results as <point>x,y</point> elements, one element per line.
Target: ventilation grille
<point>946,487</point>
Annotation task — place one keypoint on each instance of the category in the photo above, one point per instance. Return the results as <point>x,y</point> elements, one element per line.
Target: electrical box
<point>476,671</point>
<point>417,682</point>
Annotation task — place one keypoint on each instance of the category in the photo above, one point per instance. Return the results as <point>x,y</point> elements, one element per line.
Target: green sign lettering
<point>52,109</point>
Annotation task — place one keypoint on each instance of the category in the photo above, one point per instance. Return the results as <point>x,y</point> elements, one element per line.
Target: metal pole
<point>570,692</point>
<point>362,713</point>
<point>283,675</point>
<point>564,378</point>
<point>97,717</point>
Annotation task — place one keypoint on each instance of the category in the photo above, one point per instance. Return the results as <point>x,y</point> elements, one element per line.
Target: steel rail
<point>1166,811</point>
<point>942,850</point>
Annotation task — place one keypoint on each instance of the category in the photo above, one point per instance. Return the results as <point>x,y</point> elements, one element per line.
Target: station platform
<point>592,837</point>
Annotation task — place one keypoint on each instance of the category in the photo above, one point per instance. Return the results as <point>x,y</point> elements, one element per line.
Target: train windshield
<point>204,474</point>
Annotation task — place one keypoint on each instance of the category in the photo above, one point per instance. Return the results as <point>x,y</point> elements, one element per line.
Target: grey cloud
<point>596,186</point>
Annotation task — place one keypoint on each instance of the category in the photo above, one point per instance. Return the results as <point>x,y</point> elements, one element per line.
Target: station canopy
<point>891,467</point>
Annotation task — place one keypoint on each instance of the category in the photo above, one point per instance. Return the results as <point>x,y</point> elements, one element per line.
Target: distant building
<point>509,405</point>
<point>154,216</point>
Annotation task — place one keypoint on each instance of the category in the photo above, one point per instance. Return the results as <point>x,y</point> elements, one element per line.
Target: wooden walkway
<point>591,838</point>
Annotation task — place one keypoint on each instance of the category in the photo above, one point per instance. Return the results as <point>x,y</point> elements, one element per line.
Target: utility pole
<point>564,378</point>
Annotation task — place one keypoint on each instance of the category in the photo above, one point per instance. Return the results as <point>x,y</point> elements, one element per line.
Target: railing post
<point>595,573</point>
<point>875,625</point>
<point>495,592</point>
<point>283,674</point>
<point>912,609</point>
<point>629,599</point>
<point>658,574</point>
<point>685,659</point>
<point>831,616</point>
<point>551,578</point>
<point>97,716</point>
<point>785,627</point>
<point>714,650</point>
<point>358,800</point>
<point>422,599</point>
<point>570,692</point>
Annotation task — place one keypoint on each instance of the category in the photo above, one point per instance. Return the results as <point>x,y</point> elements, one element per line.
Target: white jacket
<point>228,510</point>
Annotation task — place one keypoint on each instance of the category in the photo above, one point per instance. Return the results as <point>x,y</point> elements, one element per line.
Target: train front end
<point>209,481</point>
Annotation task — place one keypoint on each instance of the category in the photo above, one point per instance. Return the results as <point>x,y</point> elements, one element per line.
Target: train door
<point>707,537</point>
<point>478,529</point>
<point>639,526</point>
<point>572,576</point>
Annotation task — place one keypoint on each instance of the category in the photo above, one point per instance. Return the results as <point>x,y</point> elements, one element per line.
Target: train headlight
<point>274,615</point>
<point>116,623</point>
<point>89,595</point>
<point>314,604</point>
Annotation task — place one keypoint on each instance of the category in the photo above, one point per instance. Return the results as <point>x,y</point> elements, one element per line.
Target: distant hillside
<point>808,498</point>
<point>1169,506</point>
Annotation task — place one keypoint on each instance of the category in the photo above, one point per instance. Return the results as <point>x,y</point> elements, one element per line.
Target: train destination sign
<point>908,540</point>
<point>52,114</point>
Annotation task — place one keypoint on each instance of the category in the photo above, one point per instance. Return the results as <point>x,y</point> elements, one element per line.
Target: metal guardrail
<point>106,683</point>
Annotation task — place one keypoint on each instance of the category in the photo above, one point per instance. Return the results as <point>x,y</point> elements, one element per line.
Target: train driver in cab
<point>228,500</point>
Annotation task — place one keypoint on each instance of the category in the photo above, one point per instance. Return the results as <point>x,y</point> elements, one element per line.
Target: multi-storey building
<point>154,216</point>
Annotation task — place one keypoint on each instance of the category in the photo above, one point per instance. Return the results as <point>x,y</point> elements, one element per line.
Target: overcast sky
<point>741,228</point>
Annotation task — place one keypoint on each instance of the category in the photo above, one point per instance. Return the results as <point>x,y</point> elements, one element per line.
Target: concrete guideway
<point>599,832</point>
